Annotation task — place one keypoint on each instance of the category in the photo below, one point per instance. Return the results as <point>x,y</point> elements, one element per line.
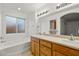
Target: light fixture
<point>58,4</point>
<point>42,13</point>
<point>19,9</point>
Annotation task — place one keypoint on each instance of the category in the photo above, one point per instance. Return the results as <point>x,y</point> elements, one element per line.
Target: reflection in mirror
<point>10,24</point>
<point>53,27</point>
<point>21,25</point>
<point>70,24</point>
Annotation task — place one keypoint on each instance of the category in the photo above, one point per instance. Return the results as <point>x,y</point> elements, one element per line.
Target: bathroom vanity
<point>53,46</point>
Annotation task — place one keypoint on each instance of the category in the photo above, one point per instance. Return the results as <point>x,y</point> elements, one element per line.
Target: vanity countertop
<point>59,40</point>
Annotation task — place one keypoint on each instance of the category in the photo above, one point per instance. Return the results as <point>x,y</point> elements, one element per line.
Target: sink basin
<point>70,41</point>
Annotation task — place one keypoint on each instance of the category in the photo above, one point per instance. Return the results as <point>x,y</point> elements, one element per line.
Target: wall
<point>0,24</point>
<point>31,23</point>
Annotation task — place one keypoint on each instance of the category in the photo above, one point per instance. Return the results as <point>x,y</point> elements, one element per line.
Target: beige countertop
<point>63,41</point>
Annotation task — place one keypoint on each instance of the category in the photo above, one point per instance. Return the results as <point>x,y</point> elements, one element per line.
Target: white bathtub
<point>14,47</point>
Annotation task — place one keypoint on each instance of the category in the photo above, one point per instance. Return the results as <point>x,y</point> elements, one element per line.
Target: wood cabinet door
<point>41,54</point>
<point>57,54</point>
<point>65,50</point>
<point>45,43</point>
<point>36,49</point>
<point>45,50</point>
<point>33,47</point>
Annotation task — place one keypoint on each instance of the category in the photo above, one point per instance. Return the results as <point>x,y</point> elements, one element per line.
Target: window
<point>10,24</point>
<point>15,25</point>
<point>21,25</point>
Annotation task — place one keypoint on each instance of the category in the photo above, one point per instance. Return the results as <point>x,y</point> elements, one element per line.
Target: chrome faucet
<point>71,38</point>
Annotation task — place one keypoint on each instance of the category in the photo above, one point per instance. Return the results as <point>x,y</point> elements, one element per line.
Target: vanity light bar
<point>60,5</point>
<point>45,12</point>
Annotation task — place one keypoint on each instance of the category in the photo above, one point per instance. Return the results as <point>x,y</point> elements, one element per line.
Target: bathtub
<point>14,47</point>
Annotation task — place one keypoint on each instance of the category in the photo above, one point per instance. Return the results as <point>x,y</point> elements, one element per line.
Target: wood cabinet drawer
<point>45,43</point>
<point>45,50</point>
<point>65,50</point>
<point>35,39</point>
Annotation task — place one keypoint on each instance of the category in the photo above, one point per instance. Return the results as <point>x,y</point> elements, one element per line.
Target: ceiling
<point>25,7</point>
<point>28,7</point>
